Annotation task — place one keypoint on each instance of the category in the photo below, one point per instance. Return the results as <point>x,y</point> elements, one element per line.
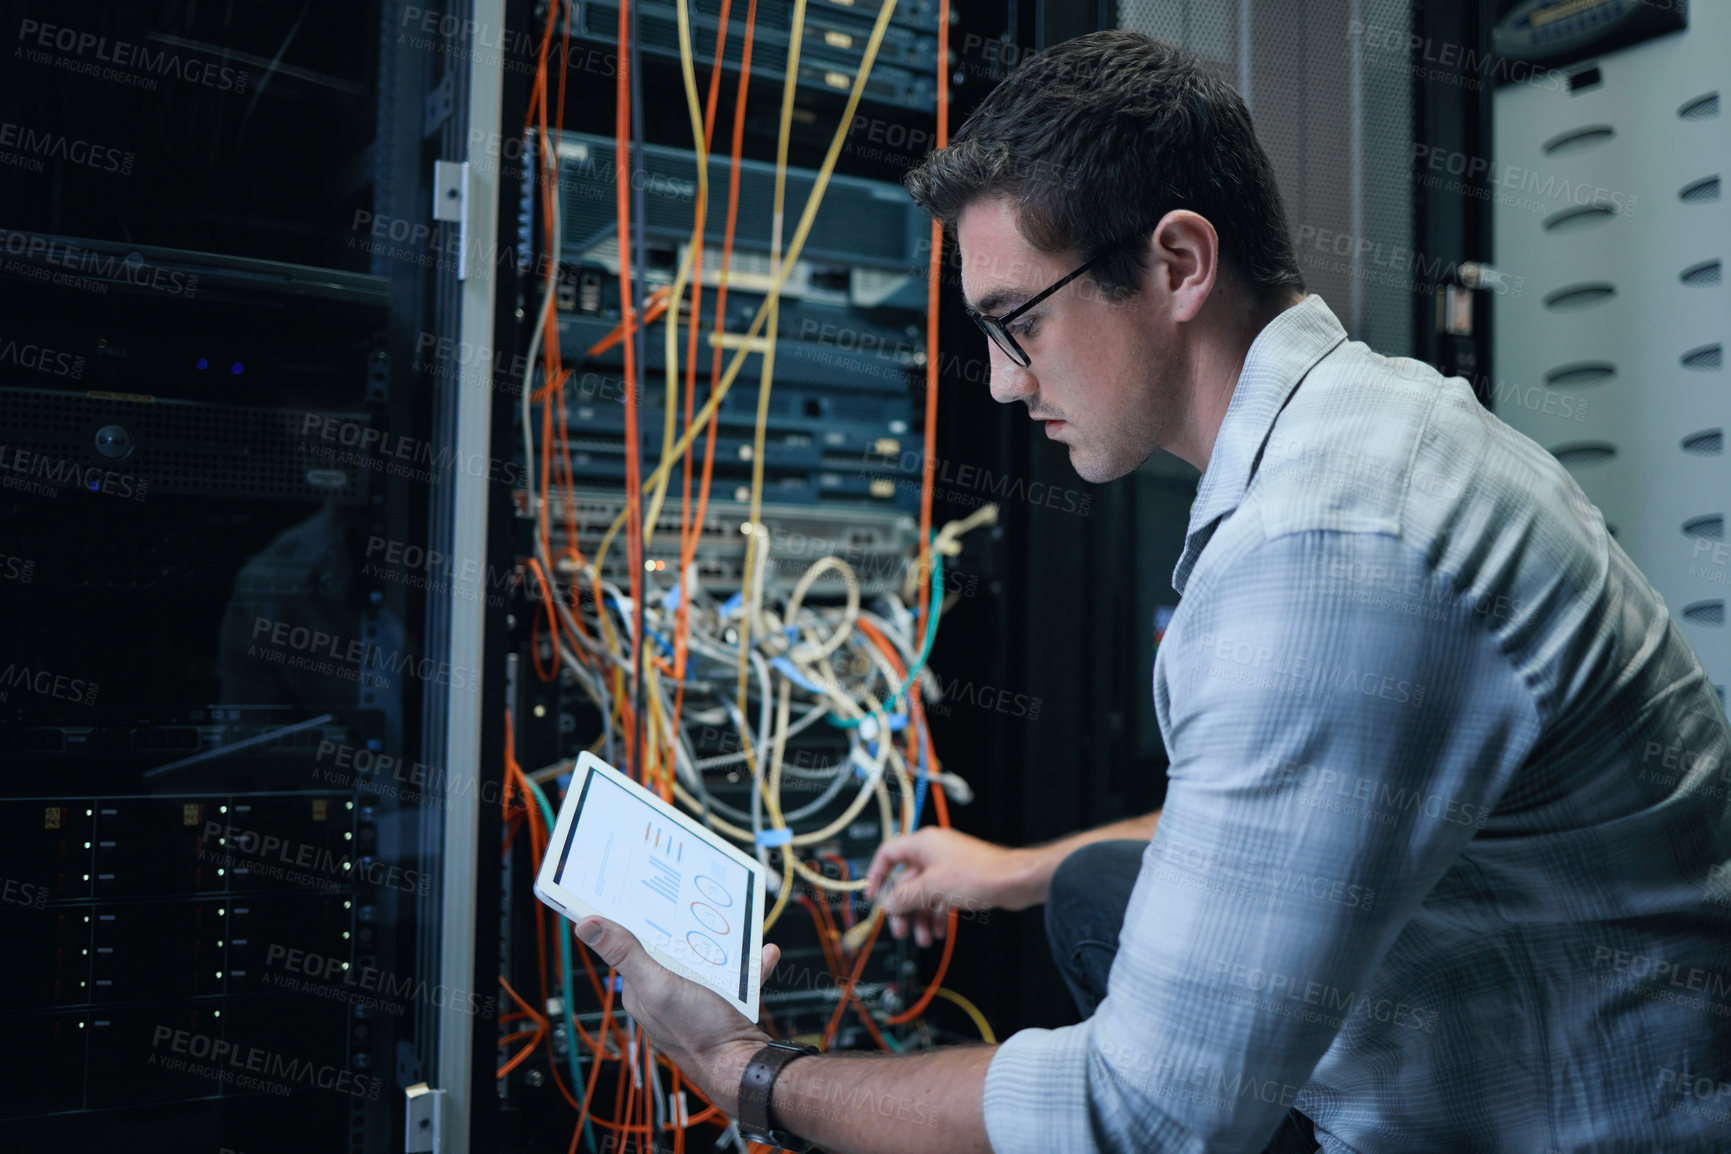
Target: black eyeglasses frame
<point>994,328</point>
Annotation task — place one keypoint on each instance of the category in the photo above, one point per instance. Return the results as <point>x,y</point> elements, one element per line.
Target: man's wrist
<point>727,1069</point>
<point>1031,876</point>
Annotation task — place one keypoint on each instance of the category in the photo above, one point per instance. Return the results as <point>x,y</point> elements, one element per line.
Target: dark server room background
<point>330,501</point>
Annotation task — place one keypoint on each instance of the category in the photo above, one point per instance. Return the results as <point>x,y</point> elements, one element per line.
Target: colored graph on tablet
<point>674,893</point>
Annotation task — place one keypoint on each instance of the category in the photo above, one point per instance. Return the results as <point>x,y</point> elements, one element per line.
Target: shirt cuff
<point>1036,1098</point>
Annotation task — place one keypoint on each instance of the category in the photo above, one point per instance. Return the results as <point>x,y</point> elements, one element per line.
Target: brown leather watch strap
<point>755,1088</point>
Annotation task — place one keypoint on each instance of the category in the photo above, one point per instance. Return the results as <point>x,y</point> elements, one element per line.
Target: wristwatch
<point>754,1089</point>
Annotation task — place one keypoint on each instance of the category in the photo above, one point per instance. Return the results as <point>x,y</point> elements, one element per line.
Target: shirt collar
<point>1285,350</point>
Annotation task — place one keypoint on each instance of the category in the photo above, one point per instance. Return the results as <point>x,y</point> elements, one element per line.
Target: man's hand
<point>944,869</point>
<point>708,1039</point>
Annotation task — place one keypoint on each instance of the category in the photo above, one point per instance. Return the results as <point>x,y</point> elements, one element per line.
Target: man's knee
<point>1090,892</point>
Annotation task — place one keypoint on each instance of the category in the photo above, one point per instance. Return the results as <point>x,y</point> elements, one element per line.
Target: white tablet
<point>694,901</point>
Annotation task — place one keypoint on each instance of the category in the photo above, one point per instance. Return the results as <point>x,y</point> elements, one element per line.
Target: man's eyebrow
<point>992,304</point>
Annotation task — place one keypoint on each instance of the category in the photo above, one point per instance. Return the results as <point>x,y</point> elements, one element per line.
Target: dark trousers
<point>1084,912</point>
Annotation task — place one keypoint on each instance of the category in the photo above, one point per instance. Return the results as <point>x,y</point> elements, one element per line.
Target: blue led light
<point>203,364</point>
<point>237,368</point>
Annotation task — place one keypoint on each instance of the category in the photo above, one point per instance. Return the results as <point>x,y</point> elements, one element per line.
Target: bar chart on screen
<point>664,850</point>
<point>663,879</point>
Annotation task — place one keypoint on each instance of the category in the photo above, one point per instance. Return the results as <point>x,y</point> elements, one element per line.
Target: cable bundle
<point>658,655</point>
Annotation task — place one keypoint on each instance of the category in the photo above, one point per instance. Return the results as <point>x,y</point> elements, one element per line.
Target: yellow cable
<point>660,732</point>
<point>772,797</point>
<point>790,80</point>
<point>850,612</point>
<point>757,539</point>
<point>770,918</point>
<point>806,220</point>
<point>853,939</point>
<point>671,324</point>
<point>972,1010</point>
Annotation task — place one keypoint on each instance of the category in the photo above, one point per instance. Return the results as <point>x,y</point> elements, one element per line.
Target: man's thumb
<point>613,942</point>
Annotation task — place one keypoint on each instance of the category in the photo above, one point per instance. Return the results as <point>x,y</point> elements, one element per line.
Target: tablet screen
<point>652,877</point>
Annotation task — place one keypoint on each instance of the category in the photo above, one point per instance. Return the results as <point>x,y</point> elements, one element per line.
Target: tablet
<point>694,901</point>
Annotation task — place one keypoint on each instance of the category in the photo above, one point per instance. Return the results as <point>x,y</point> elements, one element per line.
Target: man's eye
<point>1021,328</point>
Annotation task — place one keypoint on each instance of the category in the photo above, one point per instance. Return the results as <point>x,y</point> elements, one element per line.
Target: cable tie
<point>730,607</point>
<point>770,838</point>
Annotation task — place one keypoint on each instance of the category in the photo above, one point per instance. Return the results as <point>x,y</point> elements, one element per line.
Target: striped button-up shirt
<point>1445,860</point>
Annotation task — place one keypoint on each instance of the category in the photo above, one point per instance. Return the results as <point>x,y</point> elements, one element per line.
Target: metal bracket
<point>423,1117</point>
<point>439,104</point>
<point>451,203</point>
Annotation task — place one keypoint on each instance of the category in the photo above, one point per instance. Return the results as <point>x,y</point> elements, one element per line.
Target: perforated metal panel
<point>1609,209</point>
<point>161,447</point>
<point>1335,117</point>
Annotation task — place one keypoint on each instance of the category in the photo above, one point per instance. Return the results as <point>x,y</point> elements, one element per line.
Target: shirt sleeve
<point>1340,724</point>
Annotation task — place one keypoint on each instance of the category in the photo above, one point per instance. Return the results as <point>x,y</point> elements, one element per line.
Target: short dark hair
<point>1099,137</point>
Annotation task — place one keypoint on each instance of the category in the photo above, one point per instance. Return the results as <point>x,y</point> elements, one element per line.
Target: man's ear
<point>1184,261</point>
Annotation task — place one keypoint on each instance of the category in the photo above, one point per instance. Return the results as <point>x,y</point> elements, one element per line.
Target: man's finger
<point>617,947</point>
<point>771,955</point>
<point>898,897</point>
<point>889,855</point>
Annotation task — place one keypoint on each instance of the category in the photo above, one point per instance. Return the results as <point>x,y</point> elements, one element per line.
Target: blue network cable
<point>920,781</point>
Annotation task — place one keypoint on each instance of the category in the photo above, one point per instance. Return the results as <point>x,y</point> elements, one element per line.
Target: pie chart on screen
<point>706,948</point>
<point>709,918</point>
<point>712,889</point>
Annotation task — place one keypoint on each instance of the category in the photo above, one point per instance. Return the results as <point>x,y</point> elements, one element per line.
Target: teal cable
<point>571,1034</point>
<point>932,608</point>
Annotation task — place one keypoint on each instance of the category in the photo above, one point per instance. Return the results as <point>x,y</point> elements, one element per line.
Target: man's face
<point>1103,372</point>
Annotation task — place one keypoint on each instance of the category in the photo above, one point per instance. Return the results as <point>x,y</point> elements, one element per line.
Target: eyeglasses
<point>994,328</point>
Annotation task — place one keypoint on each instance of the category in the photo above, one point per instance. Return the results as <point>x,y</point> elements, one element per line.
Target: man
<point>1443,863</point>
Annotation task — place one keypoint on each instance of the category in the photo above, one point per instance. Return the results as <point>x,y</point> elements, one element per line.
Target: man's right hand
<point>945,869</point>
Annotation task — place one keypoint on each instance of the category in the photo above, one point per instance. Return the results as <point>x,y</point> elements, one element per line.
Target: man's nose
<point>1010,381</point>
